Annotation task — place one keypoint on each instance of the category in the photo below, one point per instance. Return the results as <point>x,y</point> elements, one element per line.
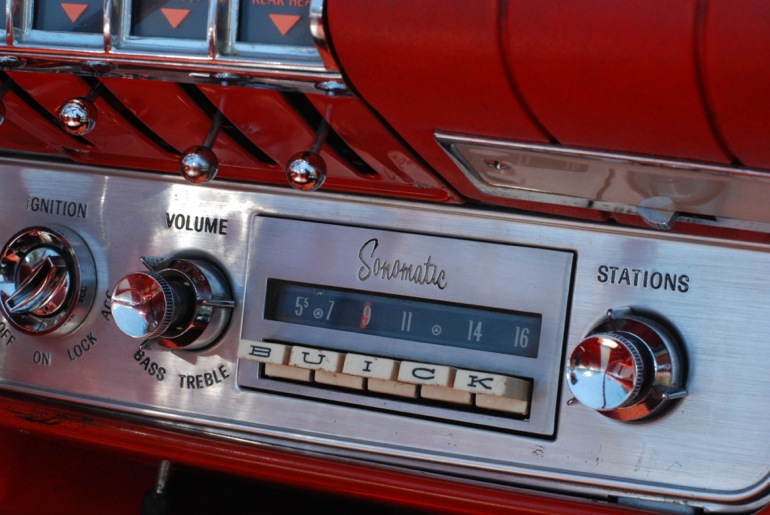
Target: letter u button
<point>315,359</point>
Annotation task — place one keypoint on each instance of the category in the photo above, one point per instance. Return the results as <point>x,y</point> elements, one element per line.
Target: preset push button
<point>386,376</point>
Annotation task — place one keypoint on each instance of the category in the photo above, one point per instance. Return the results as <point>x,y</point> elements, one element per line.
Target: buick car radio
<point>507,256</point>
<point>407,322</point>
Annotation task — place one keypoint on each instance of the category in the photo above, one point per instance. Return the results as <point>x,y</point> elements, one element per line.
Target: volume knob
<point>627,368</point>
<point>145,305</point>
<point>178,303</point>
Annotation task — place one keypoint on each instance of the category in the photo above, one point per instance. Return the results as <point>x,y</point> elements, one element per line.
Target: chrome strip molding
<point>660,191</point>
<point>318,31</point>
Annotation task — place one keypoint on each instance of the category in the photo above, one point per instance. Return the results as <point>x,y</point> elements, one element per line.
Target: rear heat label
<point>641,278</point>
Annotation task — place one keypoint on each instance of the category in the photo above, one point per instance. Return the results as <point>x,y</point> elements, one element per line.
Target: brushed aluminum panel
<point>712,450</point>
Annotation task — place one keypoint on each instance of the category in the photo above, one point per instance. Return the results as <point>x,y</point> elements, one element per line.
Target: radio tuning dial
<point>47,281</point>
<point>177,303</point>
<point>628,368</point>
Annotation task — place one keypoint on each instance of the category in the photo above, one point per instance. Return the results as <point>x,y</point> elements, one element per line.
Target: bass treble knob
<point>177,303</point>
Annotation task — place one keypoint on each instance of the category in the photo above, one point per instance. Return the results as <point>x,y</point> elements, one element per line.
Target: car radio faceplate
<point>293,261</point>
<point>467,316</point>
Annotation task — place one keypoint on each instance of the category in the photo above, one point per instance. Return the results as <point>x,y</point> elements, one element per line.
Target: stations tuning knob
<point>628,368</point>
<point>176,303</point>
<point>47,281</point>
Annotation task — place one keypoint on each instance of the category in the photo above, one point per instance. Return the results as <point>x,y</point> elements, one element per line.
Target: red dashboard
<point>404,256</point>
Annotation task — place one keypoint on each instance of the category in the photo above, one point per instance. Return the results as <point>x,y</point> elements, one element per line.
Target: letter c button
<point>425,374</point>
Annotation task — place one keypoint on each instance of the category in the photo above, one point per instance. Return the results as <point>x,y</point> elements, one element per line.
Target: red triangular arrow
<point>74,10</point>
<point>174,16</point>
<point>284,22</point>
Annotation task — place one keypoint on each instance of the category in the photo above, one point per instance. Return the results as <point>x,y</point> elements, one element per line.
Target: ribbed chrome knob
<point>144,305</point>
<point>627,368</point>
<point>178,303</point>
<point>607,371</point>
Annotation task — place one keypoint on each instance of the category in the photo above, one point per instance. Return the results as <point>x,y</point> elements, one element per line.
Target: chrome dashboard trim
<point>318,31</point>
<point>167,48</point>
<point>671,459</point>
<point>28,35</point>
<point>8,26</point>
<point>109,13</point>
<point>169,58</point>
<point>621,183</point>
<point>212,29</point>
<point>12,8</point>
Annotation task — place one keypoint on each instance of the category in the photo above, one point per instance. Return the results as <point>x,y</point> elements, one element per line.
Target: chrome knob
<point>177,303</point>
<point>306,171</point>
<point>47,281</point>
<point>44,282</point>
<point>145,305</point>
<point>78,116</point>
<point>199,165</point>
<point>607,370</point>
<point>628,368</point>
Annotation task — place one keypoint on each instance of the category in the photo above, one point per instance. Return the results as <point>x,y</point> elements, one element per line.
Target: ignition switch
<point>47,281</point>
